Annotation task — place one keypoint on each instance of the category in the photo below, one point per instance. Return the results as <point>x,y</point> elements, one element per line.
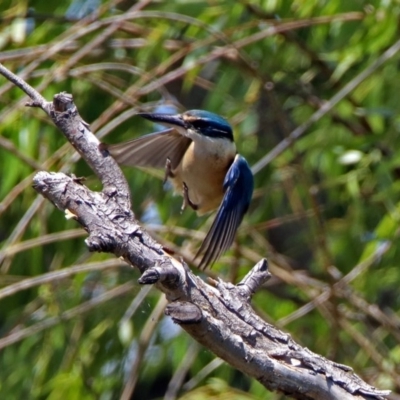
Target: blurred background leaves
<point>325,211</point>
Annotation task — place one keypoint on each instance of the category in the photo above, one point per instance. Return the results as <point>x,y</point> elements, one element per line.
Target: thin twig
<point>58,275</point>
<point>67,315</point>
<point>325,108</point>
<point>37,98</point>
<point>144,340</point>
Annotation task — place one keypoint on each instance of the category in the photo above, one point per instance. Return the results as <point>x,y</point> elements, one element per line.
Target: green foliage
<point>325,211</point>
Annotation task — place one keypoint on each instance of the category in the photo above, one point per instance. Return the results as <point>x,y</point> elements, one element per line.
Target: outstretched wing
<point>151,150</point>
<point>238,190</point>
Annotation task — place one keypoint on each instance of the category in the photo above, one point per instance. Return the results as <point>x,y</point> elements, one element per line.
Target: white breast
<point>203,169</point>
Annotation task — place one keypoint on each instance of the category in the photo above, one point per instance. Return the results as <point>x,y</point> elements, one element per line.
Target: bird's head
<point>202,122</point>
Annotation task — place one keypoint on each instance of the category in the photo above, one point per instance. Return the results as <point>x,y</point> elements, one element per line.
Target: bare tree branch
<point>217,315</point>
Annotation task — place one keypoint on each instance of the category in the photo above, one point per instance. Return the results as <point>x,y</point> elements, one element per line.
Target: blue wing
<point>238,190</point>
<point>151,150</point>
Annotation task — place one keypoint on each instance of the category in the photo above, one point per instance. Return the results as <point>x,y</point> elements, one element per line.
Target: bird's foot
<point>168,170</point>
<point>186,199</point>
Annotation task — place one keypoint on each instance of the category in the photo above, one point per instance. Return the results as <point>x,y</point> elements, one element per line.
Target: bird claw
<point>186,199</point>
<point>168,170</point>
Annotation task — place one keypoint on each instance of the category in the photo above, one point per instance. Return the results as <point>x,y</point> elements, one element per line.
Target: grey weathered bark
<point>218,315</point>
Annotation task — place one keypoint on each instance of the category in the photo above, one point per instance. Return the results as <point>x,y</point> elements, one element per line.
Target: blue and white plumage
<point>200,159</point>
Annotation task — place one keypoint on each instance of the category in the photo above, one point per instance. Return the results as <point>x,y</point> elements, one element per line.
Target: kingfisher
<point>198,154</point>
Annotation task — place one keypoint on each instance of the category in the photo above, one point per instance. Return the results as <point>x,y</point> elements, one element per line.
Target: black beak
<point>165,119</point>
